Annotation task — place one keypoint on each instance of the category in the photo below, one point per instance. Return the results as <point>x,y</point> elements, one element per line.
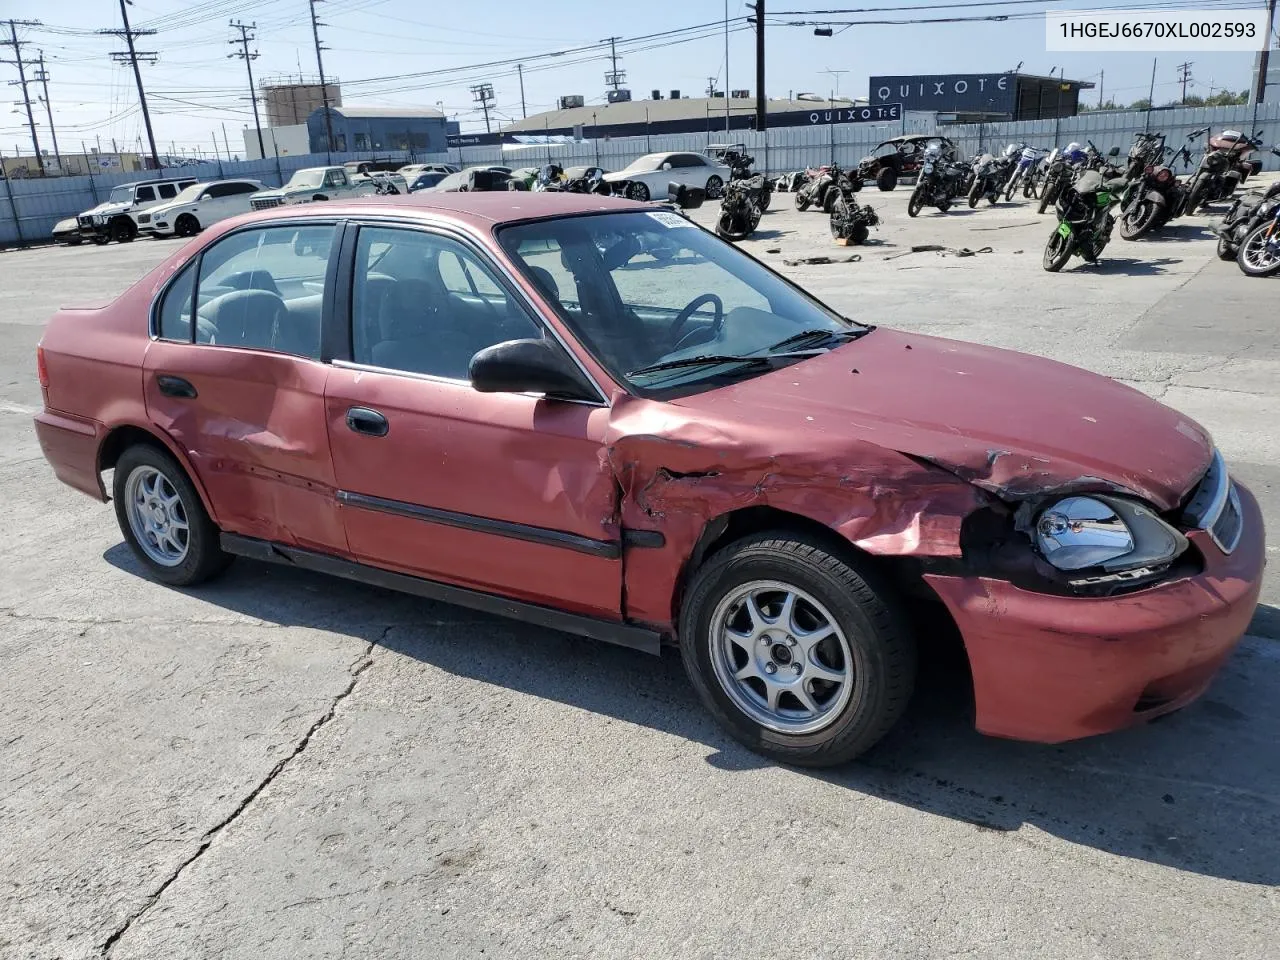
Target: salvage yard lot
<point>282,765</point>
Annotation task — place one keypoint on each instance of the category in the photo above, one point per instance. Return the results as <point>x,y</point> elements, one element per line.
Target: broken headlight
<point>1111,534</point>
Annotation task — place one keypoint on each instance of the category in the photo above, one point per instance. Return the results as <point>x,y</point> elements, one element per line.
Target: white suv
<point>197,207</point>
<point>112,219</point>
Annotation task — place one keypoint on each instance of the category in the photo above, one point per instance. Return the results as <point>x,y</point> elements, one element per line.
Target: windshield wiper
<point>711,359</point>
<point>804,336</point>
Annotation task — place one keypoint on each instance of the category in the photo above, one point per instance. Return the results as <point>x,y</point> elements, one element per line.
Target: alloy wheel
<point>157,516</point>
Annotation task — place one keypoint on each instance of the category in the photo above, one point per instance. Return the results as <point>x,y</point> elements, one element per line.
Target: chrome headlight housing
<point>1103,532</point>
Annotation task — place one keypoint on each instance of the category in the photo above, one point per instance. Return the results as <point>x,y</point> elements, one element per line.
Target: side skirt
<point>622,634</point>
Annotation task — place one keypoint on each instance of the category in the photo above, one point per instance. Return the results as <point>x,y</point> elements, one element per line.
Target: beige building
<point>288,104</point>
<point>73,164</point>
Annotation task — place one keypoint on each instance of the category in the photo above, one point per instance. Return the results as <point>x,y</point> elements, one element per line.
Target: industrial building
<point>981,97</point>
<point>355,129</point>
<point>289,103</point>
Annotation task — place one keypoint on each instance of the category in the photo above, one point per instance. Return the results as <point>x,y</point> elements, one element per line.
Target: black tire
<point>915,204</point>
<point>321,196</point>
<point>714,187</point>
<point>725,228</point>
<point>1010,187</point>
<point>829,201</point>
<point>101,241</point>
<point>887,179</point>
<point>1247,258</point>
<point>1050,196</point>
<point>204,557</point>
<point>765,197</point>
<point>859,233</point>
<point>640,192</point>
<point>882,648</point>
<point>1057,252</point>
<point>123,230</point>
<point>974,194</point>
<point>944,206</point>
<point>1139,220</point>
<point>186,226</point>
<point>1195,199</point>
<point>1225,249</point>
<point>802,201</point>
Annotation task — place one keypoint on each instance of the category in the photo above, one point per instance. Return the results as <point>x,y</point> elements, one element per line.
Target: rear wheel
<point>802,655</point>
<point>640,191</point>
<point>1140,219</point>
<point>1256,258</point>
<point>163,519</point>
<point>887,179</point>
<point>1195,199</point>
<point>714,187</point>
<point>1057,252</point>
<point>1050,195</point>
<point>802,200</point>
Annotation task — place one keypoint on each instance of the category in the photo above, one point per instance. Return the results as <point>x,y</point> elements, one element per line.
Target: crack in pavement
<point>358,667</point>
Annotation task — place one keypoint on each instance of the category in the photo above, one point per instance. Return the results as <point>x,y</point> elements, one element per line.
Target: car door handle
<point>366,421</point>
<point>172,386</point>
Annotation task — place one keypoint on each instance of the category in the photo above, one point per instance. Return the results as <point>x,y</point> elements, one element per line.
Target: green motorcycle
<point>1085,220</point>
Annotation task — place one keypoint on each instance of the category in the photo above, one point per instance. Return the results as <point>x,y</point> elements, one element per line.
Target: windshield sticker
<point>670,219</point>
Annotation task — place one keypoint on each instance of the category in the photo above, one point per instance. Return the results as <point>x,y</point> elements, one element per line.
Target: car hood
<point>1015,425</point>
<point>107,209</point>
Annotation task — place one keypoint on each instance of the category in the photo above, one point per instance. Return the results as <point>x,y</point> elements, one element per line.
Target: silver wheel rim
<point>781,657</point>
<point>1256,254</point>
<point>157,516</point>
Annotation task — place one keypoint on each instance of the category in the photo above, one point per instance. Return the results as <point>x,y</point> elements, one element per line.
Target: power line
<point>133,56</point>
<point>21,64</point>
<point>248,59</point>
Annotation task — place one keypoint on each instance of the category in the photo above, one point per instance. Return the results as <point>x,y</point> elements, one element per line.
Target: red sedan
<point>592,414</point>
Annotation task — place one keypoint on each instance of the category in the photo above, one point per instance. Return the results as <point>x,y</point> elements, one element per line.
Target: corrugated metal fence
<point>34,206</point>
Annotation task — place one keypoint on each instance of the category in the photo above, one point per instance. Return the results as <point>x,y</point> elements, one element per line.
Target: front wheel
<point>1011,187</point>
<point>163,519</point>
<point>186,226</point>
<point>123,230</point>
<point>974,193</point>
<point>1057,252</point>
<point>802,655</point>
<point>1257,257</point>
<point>916,203</point>
<point>1196,198</point>
<point>640,191</point>
<point>1139,220</point>
<point>802,201</point>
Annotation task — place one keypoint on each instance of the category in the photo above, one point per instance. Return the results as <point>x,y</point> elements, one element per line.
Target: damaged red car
<point>594,415</point>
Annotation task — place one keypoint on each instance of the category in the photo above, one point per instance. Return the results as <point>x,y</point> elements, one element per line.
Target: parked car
<point>901,158</point>
<point>477,179</point>
<point>198,206</point>
<point>410,171</point>
<point>508,403</point>
<point>359,167</point>
<point>314,183</point>
<point>426,180</point>
<point>112,220</point>
<point>649,175</point>
<point>67,232</point>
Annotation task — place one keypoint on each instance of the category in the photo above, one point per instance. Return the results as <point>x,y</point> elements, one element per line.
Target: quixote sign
<point>985,92</point>
<point>825,115</point>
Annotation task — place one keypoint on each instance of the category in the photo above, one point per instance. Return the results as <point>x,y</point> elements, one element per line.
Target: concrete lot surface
<point>280,765</point>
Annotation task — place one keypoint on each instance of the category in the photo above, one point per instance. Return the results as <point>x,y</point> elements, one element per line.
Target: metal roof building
<point>380,128</point>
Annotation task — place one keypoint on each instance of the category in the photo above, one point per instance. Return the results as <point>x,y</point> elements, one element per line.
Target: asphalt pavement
<point>279,765</point>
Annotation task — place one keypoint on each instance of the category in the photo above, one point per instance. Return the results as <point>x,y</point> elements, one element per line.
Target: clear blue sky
<point>194,88</point>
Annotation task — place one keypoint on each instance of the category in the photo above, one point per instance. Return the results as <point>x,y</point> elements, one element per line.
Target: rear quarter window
<point>175,308</point>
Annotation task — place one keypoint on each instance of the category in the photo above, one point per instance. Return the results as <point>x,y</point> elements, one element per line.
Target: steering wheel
<point>678,323</point>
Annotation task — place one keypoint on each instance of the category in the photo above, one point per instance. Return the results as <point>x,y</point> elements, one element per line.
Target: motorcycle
<point>1069,165</point>
<point>937,185</point>
<point>1084,219</point>
<point>1024,172</point>
<point>1244,215</point>
<point>739,164</point>
<point>848,220</point>
<point>1259,253</point>
<point>829,183</point>
<point>1154,195</point>
<point>1223,166</point>
<point>740,208</point>
<point>989,176</point>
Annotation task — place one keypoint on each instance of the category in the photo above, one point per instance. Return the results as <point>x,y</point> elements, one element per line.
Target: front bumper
<point>1051,668</point>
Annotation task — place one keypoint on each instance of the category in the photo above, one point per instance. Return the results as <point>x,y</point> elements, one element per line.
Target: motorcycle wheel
<point>915,204</point>
<point>1253,258</point>
<point>1139,220</point>
<point>1195,199</point>
<point>1029,188</point>
<point>802,201</point>
<point>944,206</point>
<point>829,201</point>
<point>1056,252</point>
<point>1008,190</point>
<point>1226,250</point>
<point>731,227</point>
<point>974,195</point>
<point>765,196</point>
<point>859,233</point>
<point>1050,195</point>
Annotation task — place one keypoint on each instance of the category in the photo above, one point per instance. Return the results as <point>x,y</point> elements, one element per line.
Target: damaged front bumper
<point>1052,668</point>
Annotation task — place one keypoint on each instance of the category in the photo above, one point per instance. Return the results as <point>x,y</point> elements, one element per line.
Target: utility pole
<point>614,76</point>
<point>1264,58</point>
<point>728,92</point>
<point>43,77</point>
<point>520,71</point>
<point>1102,80</point>
<point>21,64</point>
<point>226,143</point>
<point>324,87</point>
<point>133,56</point>
<point>1184,75</point>
<point>711,87</point>
<point>761,110</point>
<point>483,93</point>
<point>248,59</point>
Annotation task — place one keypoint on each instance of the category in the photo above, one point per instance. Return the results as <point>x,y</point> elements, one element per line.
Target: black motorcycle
<point>1084,219</point>
<point>937,185</point>
<point>1259,253</point>
<point>1244,215</point>
<point>1154,195</point>
<point>1222,167</point>
<point>740,208</point>
<point>822,190</point>
<point>990,174</point>
<point>849,221</point>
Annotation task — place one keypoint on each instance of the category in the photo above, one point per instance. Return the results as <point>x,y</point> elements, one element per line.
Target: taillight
<point>1150,169</point>
<point>42,370</point>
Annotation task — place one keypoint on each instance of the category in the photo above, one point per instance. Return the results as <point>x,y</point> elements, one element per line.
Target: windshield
<point>307,178</point>
<point>664,304</point>
<point>189,194</point>
<point>121,195</point>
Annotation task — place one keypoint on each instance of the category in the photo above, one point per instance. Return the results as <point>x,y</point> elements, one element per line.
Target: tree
<point>1143,104</point>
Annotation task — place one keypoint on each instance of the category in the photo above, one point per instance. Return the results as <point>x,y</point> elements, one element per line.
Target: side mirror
<point>667,165</point>
<point>529,366</point>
